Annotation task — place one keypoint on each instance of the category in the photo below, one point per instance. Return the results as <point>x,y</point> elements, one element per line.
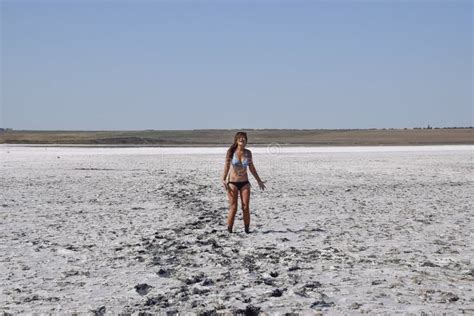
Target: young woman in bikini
<point>235,179</point>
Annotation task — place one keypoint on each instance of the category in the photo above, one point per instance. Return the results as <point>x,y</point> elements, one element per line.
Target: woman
<point>236,181</point>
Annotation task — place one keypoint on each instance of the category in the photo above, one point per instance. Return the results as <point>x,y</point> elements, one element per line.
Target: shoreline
<point>227,145</point>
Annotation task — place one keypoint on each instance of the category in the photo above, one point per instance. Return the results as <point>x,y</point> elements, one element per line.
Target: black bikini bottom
<point>239,185</point>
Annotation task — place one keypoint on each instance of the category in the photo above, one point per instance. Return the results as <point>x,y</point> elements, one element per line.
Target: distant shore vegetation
<point>427,135</point>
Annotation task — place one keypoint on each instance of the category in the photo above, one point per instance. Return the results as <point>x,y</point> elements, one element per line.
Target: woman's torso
<point>239,163</point>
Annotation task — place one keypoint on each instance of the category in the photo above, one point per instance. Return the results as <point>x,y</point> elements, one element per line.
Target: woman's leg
<point>232,195</point>
<point>245,198</point>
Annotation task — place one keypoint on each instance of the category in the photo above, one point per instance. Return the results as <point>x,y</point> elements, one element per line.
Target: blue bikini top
<point>237,163</point>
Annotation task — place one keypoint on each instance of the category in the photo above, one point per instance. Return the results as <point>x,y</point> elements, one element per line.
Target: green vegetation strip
<point>313,137</point>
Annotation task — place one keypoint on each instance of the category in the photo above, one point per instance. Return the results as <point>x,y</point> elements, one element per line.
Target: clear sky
<point>130,65</point>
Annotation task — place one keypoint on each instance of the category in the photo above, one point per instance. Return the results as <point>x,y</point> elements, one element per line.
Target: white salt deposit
<point>341,230</point>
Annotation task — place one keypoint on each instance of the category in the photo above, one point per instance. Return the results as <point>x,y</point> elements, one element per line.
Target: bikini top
<point>243,164</point>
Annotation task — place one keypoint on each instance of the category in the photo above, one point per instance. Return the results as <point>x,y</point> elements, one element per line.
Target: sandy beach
<point>339,230</point>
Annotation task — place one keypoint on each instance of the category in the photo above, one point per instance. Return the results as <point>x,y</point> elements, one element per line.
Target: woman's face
<point>241,140</point>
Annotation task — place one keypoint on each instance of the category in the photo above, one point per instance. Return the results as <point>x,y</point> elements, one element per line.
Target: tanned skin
<point>239,175</point>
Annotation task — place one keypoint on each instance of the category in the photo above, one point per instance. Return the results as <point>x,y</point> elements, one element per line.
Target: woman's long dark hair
<point>233,147</point>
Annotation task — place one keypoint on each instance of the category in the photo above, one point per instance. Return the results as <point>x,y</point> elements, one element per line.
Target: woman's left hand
<point>261,184</point>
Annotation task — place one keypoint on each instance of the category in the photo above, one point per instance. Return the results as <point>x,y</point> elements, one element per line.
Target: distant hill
<point>215,137</point>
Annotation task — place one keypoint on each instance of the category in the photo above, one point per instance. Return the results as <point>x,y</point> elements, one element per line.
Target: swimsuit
<point>240,184</point>
<point>240,166</point>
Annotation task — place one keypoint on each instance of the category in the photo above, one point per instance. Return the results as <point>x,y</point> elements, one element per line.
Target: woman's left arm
<point>252,169</point>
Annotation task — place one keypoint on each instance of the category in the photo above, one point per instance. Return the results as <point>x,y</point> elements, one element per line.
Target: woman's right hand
<point>225,184</point>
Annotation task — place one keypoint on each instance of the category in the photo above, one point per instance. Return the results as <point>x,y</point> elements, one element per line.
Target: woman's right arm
<point>226,171</point>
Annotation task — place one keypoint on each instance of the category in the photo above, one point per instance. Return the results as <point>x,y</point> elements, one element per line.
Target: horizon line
<point>9,129</point>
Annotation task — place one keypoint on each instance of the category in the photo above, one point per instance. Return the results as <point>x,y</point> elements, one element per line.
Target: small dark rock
<point>277,293</point>
<point>377,282</point>
<point>312,285</point>
<point>207,282</point>
<point>184,297</point>
<point>143,288</point>
<point>100,311</point>
<point>301,292</point>
<point>268,281</point>
<point>200,291</point>
<point>154,300</point>
<point>321,303</point>
<point>163,273</point>
<point>165,304</point>
<point>194,279</point>
<point>32,298</point>
<point>429,264</point>
<point>355,305</point>
<point>70,273</point>
<point>274,274</point>
<point>293,268</point>
<point>52,299</point>
<point>449,297</point>
<point>250,310</point>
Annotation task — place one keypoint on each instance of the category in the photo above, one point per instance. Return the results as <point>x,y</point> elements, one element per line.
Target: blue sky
<point>131,65</point>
